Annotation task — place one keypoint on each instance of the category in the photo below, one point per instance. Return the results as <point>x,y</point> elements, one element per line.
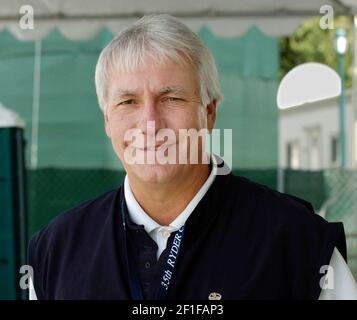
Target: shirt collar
<point>140,217</point>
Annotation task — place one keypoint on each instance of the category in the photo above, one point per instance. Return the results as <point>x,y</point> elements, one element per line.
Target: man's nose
<point>151,120</point>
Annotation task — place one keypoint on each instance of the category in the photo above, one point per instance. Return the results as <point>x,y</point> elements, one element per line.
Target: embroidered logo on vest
<point>214,296</point>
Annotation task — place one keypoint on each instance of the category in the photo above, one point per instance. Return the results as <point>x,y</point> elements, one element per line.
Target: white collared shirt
<point>159,233</point>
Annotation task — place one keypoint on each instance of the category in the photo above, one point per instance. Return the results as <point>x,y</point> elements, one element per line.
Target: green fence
<point>52,191</point>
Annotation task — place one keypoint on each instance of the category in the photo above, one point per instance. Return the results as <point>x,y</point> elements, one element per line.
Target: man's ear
<point>107,126</point>
<point>211,115</point>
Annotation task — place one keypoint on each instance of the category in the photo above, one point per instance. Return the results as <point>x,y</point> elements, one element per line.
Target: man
<point>176,229</point>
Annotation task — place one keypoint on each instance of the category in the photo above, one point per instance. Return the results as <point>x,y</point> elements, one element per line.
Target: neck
<point>164,202</point>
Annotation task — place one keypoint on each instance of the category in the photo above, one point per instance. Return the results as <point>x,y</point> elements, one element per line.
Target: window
<point>335,151</point>
<point>314,151</point>
<point>293,155</point>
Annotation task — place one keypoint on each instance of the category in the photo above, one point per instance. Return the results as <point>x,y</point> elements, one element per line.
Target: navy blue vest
<point>243,241</point>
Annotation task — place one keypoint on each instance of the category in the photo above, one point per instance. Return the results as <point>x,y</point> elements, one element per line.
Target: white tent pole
<point>36,104</point>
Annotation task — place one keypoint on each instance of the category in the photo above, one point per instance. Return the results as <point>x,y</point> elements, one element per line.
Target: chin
<point>155,173</point>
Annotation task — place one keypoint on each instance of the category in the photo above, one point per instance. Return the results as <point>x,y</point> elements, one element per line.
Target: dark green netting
<point>16,77</point>
<point>308,185</point>
<point>71,133</point>
<point>52,191</point>
<point>249,73</point>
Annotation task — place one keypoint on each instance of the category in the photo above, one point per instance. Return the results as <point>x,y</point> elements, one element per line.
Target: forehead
<point>155,77</point>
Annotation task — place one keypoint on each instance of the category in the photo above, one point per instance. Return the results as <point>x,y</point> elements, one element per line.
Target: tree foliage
<point>310,43</point>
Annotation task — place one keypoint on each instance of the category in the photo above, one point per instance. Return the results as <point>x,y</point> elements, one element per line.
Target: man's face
<point>165,96</point>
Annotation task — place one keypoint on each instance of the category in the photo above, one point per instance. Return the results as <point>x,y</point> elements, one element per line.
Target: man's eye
<point>131,101</point>
<point>171,99</point>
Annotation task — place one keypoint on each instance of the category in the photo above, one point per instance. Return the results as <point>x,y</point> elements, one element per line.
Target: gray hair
<point>159,36</point>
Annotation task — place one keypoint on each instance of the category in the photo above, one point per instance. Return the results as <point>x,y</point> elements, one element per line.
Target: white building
<point>309,135</point>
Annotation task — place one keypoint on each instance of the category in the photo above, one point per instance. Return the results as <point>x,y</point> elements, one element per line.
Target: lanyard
<point>167,271</point>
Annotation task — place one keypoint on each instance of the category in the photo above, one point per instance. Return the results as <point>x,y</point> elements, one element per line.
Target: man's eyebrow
<point>123,93</point>
<point>173,89</point>
<point>165,90</point>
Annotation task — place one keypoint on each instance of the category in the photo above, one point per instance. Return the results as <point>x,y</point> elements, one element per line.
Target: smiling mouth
<point>155,148</point>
